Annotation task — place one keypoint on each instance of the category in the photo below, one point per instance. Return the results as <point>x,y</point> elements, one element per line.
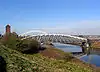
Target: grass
<point>18,62</point>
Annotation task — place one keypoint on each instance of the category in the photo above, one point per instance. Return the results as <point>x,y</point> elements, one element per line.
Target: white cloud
<point>77,27</point>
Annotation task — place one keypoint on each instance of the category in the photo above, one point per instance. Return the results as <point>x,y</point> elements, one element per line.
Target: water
<point>68,47</point>
<point>92,58</point>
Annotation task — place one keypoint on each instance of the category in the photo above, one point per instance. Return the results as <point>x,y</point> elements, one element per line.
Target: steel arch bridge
<point>42,36</point>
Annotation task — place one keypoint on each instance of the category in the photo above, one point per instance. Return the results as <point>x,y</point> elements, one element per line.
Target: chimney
<point>8,29</point>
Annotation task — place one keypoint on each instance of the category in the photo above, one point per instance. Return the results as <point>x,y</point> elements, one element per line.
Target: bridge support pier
<point>83,49</point>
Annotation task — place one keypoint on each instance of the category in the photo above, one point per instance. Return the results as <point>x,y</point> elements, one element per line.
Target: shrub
<point>25,46</point>
<point>28,46</point>
<point>9,41</point>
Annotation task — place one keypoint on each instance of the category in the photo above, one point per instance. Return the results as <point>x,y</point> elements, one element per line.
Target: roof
<point>8,25</point>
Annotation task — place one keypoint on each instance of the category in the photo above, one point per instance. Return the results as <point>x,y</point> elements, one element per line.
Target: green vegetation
<point>18,62</point>
<point>25,46</point>
<point>14,51</point>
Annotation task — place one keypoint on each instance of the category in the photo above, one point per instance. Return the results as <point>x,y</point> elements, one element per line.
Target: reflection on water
<point>68,47</point>
<point>92,58</point>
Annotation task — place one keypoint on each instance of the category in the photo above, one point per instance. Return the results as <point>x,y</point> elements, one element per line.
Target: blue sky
<point>67,16</point>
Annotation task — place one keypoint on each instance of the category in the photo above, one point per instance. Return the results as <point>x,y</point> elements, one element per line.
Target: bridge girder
<point>53,37</point>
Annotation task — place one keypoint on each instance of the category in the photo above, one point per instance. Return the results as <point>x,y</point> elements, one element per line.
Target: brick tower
<point>8,30</point>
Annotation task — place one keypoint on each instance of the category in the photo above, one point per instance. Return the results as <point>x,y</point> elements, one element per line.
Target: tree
<point>11,41</point>
<point>27,46</point>
<point>15,34</point>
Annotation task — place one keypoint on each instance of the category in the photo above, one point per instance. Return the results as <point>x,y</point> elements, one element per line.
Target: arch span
<point>33,33</point>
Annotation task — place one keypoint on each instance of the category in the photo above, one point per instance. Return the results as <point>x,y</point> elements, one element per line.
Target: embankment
<point>18,62</point>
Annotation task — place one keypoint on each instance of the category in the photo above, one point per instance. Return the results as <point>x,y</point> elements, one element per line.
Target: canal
<point>92,58</point>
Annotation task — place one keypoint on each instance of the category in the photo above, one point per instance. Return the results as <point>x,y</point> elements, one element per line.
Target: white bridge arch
<point>42,36</point>
<point>32,33</point>
<point>41,33</point>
